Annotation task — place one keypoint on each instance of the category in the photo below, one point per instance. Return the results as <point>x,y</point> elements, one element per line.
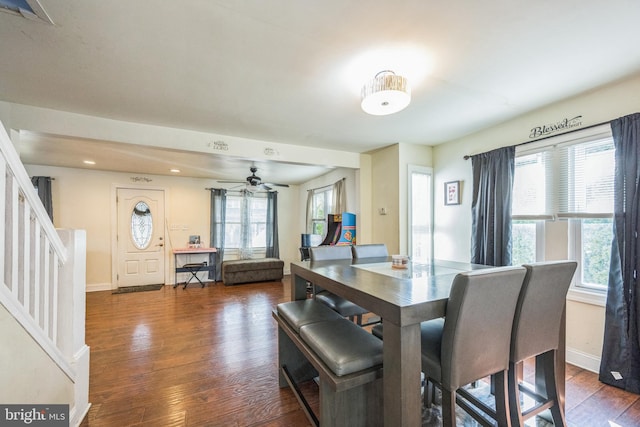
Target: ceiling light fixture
<point>387,93</point>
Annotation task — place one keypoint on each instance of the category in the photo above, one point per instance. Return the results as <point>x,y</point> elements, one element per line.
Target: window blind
<point>565,177</point>
<point>586,173</point>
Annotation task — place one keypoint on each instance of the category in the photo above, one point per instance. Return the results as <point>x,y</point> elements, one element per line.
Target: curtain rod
<point>325,186</point>
<point>468,156</point>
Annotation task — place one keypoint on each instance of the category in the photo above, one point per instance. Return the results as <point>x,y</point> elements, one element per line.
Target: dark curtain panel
<point>491,206</point>
<point>273,246</point>
<point>42,185</point>
<point>620,363</point>
<point>218,220</point>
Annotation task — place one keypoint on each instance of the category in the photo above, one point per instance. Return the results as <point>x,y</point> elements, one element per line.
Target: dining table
<point>402,298</point>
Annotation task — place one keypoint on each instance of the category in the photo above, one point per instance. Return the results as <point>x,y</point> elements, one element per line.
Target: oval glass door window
<point>141,225</point>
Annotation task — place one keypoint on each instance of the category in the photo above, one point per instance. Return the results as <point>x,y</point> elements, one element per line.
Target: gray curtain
<point>620,363</point>
<point>491,206</point>
<point>339,197</point>
<point>42,184</point>
<point>273,246</point>
<point>218,220</point>
<point>308,218</point>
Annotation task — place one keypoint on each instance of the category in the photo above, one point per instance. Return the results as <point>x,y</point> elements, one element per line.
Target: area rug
<point>432,417</point>
<point>129,289</point>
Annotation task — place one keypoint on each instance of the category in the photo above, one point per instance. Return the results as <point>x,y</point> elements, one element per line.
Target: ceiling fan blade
<point>276,185</point>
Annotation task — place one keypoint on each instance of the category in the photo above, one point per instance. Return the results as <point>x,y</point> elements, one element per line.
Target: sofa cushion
<point>303,312</point>
<point>343,346</point>
<point>251,264</point>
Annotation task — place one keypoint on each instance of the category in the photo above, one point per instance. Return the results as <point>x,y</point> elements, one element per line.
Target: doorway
<point>420,213</point>
<point>140,237</point>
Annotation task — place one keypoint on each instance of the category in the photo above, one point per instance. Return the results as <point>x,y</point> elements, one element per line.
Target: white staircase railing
<point>43,271</point>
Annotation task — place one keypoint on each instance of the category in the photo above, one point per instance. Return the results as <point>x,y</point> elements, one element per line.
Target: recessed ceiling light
<point>175,171</point>
<point>88,162</point>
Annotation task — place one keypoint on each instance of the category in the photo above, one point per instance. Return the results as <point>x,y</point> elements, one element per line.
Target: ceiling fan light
<point>387,93</point>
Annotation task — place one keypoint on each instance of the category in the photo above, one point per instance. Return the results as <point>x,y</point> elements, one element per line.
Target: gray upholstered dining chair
<point>536,333</point>
<point>372,250</point>
<point>337,303</point>
<point>472,340</point>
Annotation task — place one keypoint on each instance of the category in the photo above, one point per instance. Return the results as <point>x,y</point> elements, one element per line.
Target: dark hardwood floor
<point>208,357</point>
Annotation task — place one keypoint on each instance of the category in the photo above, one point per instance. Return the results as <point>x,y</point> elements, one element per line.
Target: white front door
<point>141,248</point>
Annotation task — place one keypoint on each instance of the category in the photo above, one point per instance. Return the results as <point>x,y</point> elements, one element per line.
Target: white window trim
<point>586,296</point>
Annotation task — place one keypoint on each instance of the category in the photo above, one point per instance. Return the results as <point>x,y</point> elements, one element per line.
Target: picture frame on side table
<point>452,193</point>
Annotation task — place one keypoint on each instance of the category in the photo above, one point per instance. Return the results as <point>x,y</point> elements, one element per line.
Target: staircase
<point>42,299</point>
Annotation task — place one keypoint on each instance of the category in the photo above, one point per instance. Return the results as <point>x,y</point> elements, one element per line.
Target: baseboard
<point>75,418</point>
<point>583,360</point>
<point>95,287</point>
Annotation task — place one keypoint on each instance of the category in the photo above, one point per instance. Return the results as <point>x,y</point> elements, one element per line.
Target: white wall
<point>28,364</point>
<point>85,199</point>
<point>389,188</point>
<point>585,322</point>
<point>385,185</point>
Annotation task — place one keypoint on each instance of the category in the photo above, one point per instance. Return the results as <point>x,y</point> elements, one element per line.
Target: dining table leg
<point>401,379</point>
<point>298,287</point>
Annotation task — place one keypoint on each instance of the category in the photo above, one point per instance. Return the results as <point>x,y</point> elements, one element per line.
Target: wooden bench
<point>351,397</point>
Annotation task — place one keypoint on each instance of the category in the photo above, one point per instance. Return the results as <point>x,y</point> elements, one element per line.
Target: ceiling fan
<point>253,181</point>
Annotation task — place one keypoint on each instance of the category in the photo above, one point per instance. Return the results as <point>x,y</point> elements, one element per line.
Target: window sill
<point>587,297</point>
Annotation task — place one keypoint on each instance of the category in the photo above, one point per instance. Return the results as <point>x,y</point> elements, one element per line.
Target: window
<point>526,247</point>
<point>321,201</point>
<point>420,213</point>
<point>530,208</point>
<point>141,225</point>
<point>591,243</point>
<point>246,222</point>
<point>570,180</point>
<point>589,168</point>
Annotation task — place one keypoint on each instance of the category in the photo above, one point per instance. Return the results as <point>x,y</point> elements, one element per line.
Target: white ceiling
<point>290,71</point>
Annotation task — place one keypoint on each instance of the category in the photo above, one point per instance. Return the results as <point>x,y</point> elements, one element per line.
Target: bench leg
<point>308,411</point>
<point>358,406</point>
<point>298,366</point>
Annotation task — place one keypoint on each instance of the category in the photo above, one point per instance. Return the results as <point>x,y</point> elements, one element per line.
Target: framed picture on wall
<point>452,193</point>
